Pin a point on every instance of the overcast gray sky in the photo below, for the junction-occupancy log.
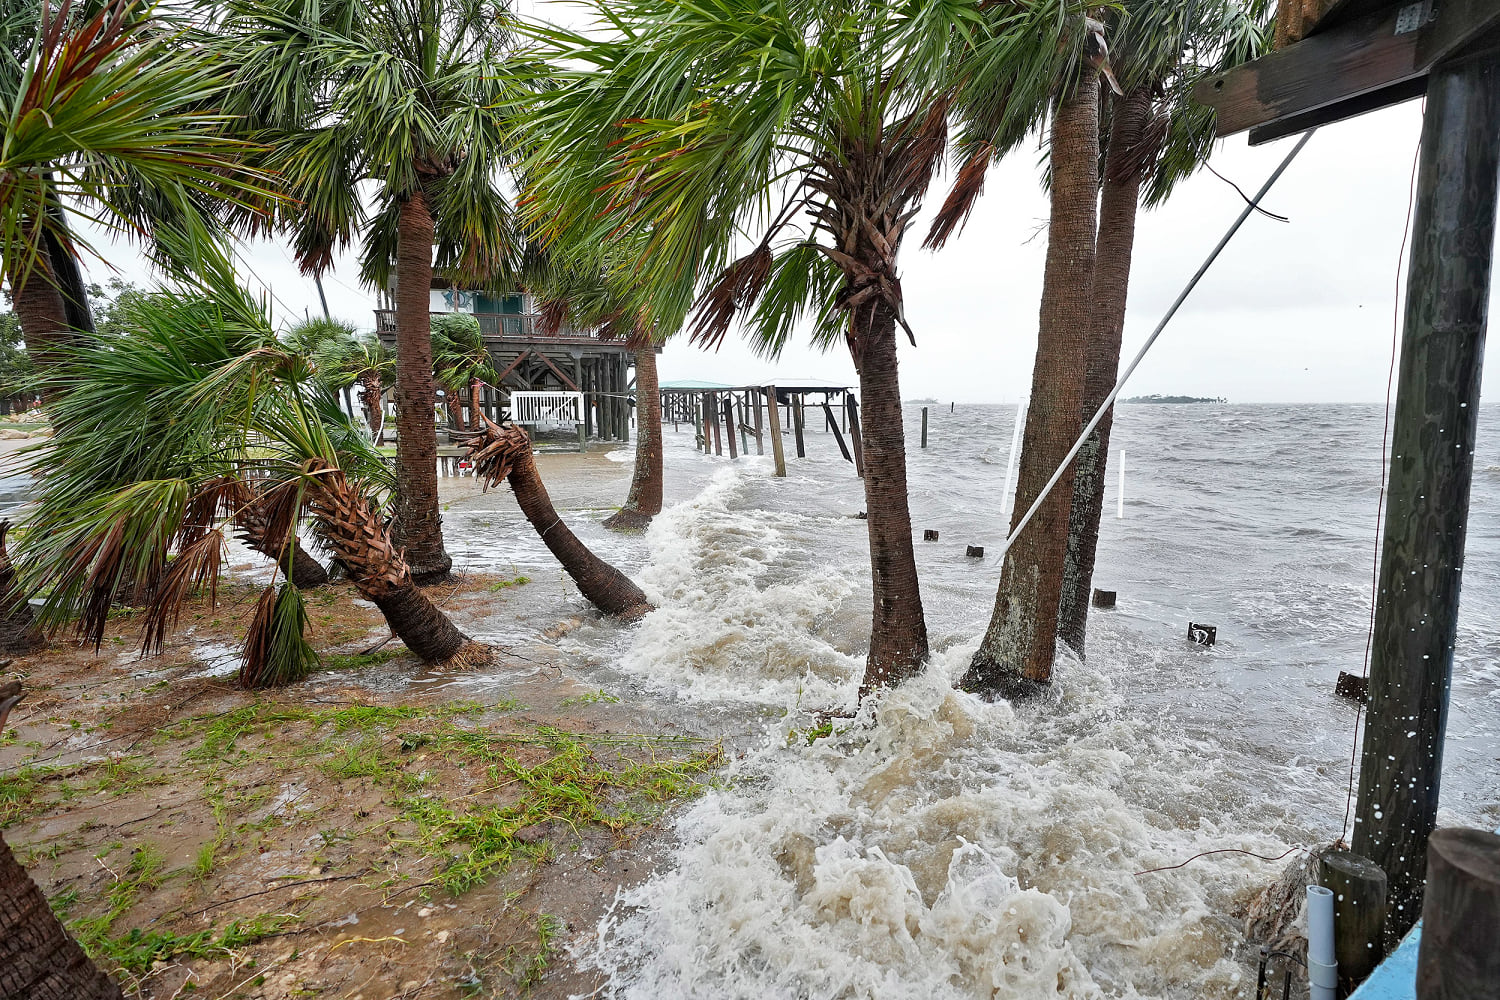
(1292, 312)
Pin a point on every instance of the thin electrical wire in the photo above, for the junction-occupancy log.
(1109, 401)
(1385, 439)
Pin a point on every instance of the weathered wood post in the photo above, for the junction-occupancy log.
(797, 426)
(760, 445)
(855, 437)
(838, 435)
(924, 427)
(1359, 891)
(1432, 464)
(713, 408)
(705, 413)
(729, 425)
(1459, 958)
(777, 455)
(626, 395)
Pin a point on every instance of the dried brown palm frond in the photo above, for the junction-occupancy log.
(737, 288)
(195, 569)
(960, 202)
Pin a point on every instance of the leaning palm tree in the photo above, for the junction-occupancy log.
(170, 436)
(1158, 136)
(578, 289)
(811, 127)
(107, 115)
(414, 97)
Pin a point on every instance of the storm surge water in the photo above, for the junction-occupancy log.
(932, 845)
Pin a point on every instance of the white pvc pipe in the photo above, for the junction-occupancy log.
(1322, 965)
(1120, 500)
(1015, 448)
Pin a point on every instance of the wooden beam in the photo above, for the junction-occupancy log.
(511, 367)
(1388, 51)
(558, 372)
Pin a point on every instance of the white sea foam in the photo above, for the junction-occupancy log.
(724, 630)
(944, 848)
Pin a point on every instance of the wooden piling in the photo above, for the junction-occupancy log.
(706, 410)
(838, 435)
(924, 427)
(855, 438)
(713, 408)
(797, 426)
(1432, 465)
(729, 425)
(760, 445)
(1359, 890)
(1459, 958)
(777, 455)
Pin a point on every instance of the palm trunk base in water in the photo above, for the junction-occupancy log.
(504, 452)
(645, 498)
(420, 624)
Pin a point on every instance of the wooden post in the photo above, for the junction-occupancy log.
(924, 427)
(777, 455)
(729, 425)
(587, 385)
(760, 445)
(1459, 958)
(703, 414)
(626, 410)
(713, 409)
(1432, 464)
(1359, 890)
(837, 434)
(855, 437)
(797, 423)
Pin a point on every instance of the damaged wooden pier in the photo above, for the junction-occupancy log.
(734, 416)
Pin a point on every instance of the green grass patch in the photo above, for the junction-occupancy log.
(600, 696)
(518, 581)
(137, 950)
(358, 661)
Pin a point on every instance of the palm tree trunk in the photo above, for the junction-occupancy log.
(898, 627)
(38, 960)
(419, 522)
(1117, 213)
(360, 538)
(644, 501)
(475, 395)
(42, 313)
(1015, 656)
(371, 391)
(504, 452)
(256, 531)
(17, 626)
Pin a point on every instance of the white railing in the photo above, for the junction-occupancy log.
(547, 410)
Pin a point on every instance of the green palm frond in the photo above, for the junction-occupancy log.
(113, 117)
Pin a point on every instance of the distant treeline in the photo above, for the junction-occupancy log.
(1174, 399)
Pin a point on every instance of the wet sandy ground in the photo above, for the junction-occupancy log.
(381, 830)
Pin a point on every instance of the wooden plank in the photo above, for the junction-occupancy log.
(729, 425)
(1352, 60)
(558, 372)
(511, 367)
(855, 437)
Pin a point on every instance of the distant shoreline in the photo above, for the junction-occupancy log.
(1174, 399)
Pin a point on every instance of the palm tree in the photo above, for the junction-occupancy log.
(809, 128)
(361, 360)
(1158, 136)
(461, 363)
(503, 452)
(1017, 648)
(157, 434)
(414, 97)
(576, 289)
(108, 115)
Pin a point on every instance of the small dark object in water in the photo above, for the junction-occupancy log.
(1104, 598)
(975, 552)
(1203, 635)
(929, 535)
(863, 515)
(1352, 687)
